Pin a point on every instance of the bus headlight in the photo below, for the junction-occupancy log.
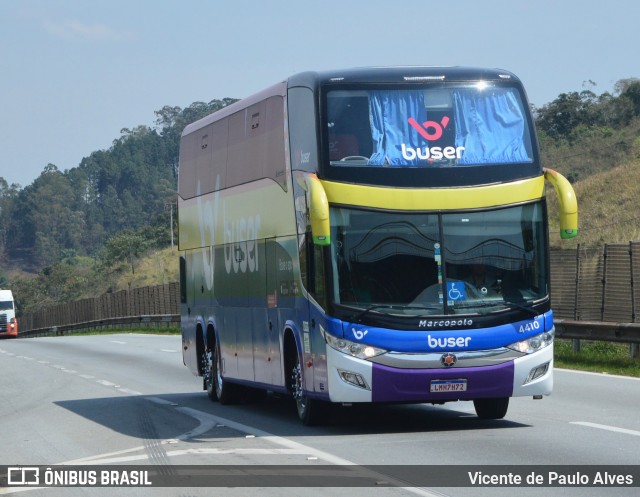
(359, 350)
(534, 343)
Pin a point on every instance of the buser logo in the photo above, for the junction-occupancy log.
(430, 131)
(437, 342)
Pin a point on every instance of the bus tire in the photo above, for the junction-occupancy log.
(208, 374)
(491, 408)
(310, 411)
(224, 392)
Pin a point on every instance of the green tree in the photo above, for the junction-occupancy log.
(8, 195)
(46, 218)
(560, 117)
(125, 246)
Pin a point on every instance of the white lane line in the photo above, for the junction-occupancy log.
(182, 452)
(291, 445)
(207, 422)
(602, 375)
(129, 391)
(99, 459)
(616, 429)
(107, 383)
(281, 441)
(119, 342)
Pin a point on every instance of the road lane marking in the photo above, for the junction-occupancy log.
(607, 427)
(107, 383)
(129, 391)
(207, 422)
(292, 445)
(182, 452)
(601, 375)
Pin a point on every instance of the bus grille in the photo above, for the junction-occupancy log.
(3, 323)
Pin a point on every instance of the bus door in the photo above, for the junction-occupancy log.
(267, 339)
(313, 343)
(191, 269)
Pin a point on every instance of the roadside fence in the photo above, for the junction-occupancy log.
(141, 307)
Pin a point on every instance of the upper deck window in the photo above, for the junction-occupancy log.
(447, 125)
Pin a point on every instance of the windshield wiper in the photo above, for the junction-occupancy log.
(357, 317)
(501, 303)
(515, 305)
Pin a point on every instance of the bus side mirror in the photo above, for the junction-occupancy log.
(318, 210)
(567, 203)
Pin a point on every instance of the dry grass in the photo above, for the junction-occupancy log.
(608, 208)
(156, 268)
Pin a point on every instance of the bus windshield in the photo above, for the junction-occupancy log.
(439, 125)
(437, 264)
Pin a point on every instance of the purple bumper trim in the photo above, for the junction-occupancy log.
(412, 385)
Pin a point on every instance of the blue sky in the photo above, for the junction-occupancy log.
(73, 73)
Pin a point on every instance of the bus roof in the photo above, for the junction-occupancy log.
(277, 89)
(394, 74)
(400, 74)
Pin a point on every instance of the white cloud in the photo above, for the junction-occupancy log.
(78, 31)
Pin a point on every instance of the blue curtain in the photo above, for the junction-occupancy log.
(490, 126)
(388, 112)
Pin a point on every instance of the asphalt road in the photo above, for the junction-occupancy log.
(128, 400)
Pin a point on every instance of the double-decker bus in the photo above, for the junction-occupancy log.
(371, 235)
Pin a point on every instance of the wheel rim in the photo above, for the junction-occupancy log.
(218, 374)
(298, 392)
(208, 375)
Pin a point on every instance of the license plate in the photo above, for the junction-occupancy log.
(449, 385)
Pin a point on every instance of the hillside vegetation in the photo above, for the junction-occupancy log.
(106, 224)
(608, 208)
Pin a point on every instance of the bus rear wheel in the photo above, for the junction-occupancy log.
(207, 360)
(491, 408)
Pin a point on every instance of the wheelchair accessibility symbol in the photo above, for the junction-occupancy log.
(456, 291)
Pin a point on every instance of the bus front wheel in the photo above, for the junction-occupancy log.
(491, 408)
(310, 411)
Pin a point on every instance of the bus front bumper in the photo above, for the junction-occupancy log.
(354, 380)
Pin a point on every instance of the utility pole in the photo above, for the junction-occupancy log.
(170, 204)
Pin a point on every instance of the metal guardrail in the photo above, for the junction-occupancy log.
(105, 324)
(598, 331)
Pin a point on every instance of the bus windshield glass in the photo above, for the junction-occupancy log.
(439, 125)
(437, 264)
